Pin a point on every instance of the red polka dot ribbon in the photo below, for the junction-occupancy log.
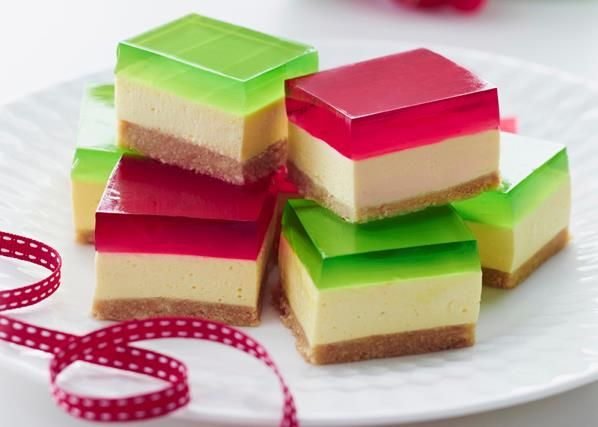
(111, 347)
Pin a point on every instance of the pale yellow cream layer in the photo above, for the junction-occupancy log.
(396, 176)
(506, 249)
(195, 278)
(238, 137)
(86, 197)
(334, 315)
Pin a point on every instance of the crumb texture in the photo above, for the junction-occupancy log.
(179, 152)
(85, 236)
(368, 213)
(141, 308)
(374, 347)
(505, 280)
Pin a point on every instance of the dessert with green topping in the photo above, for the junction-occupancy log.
(404, 285)
(208, 96)
(525, 221)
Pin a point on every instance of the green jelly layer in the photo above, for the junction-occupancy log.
(338, 254)
(96, 153)
(216, 63)
(102, 95)
(97, 119)
(94, 165)
(531, 170)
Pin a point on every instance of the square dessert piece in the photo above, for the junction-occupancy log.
(404, 285)
(208, 96)
(525, 221)
(392, 135)
(173, 242)
(95, 157)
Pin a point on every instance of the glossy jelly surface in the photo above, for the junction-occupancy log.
(150, 207)
(392, 103)
(530, 170)
(337, 253)
(213, 62)
(96, 153)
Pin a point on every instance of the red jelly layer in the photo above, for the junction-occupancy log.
(509, 124)
(149, 207)
(283, 184)
(392, 103)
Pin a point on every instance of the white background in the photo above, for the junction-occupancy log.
(47, 41)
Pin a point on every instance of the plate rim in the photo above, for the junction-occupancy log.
(564, 384)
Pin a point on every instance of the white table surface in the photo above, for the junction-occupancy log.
(43, 42)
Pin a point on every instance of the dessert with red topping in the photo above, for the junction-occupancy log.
(173, 242)
(392, 135)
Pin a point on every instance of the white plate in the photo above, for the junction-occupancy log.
(537, 340)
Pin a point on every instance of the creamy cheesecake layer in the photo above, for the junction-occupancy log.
(508, 280)
(376, 346)
(343, 314)
(506, 249)
(121, 276)
(235, 136)
(383, 179)
(215, 280)
(198, 158)
(86, 196)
